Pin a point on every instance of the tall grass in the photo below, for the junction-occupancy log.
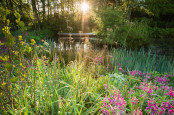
(53, 87)
(141, 60)
(56, 90)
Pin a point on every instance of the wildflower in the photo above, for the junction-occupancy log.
(28, 49)
(166, 105)
(22, 43)
(148, 77)
(6, 29)
(171, 111)
(3, 84)
(161, 110)
(134, 100)
(107, 65)
(114, 103)
(105, 85)
(131, 92)
(149, 74)
(33, 41)
(5, 58)
(20, 38)
(1, 43)
(142, 95)
(138, 112)
(120, 69)
(16, 52)
(171, 93)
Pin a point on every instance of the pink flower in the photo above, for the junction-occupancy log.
(138, 112)
(131, 92)
(107, 65)
(134, 100)
(166, 105)
(105, 85)
(171, 111)
(171, 93)
(161, 110)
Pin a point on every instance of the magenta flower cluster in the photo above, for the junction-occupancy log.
(138, 112)
(134, 100)
(114, 103)
(148, 88)
(153, 108)
(161, 80)
(98, 60)
(159, 84)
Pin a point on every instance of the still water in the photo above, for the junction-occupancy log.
(69, 47)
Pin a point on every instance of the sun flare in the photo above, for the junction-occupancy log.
(84, 7)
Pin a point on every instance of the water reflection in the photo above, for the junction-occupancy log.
(65, 44)
(69, 47)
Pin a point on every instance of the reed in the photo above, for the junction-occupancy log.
(141, 60)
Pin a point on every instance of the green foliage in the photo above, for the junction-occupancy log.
(38, 35)
(161, 33)
(140, 60)
(116, 29)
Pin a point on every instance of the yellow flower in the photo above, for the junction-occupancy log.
(22, 65)
(33, 41)
(16, 52)
(20, 38)
(22, 43)
(1, 43)
(5, 58)
(3, 84)
(6, 29)
(28, 49)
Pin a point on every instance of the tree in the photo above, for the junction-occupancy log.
(35, 12)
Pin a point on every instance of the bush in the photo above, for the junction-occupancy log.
(117, 29)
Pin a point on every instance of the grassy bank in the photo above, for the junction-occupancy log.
(33, 84)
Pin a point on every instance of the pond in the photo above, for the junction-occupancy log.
(69, 47)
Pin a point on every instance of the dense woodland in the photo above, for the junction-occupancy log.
(66, 15)
(38, 76)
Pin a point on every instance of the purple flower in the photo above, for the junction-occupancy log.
(166, 105)
(161, 110)
(134, 100)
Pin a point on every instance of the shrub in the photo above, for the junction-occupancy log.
(116, 29)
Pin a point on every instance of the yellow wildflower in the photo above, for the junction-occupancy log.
(20, 38)
(33, 41)
(3, 84)
(6, 29)
(28, 49)
(1, 43)
(22, 43)
(5, 58)
(22, 65)
(16, 52)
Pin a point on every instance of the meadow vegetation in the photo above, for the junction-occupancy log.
(36, 79)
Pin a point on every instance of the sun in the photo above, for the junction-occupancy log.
(84, 7)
